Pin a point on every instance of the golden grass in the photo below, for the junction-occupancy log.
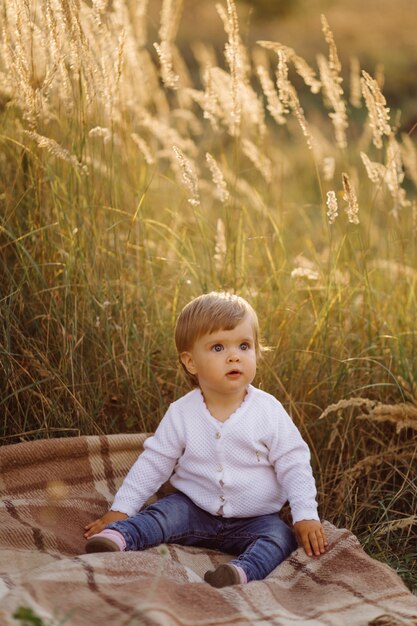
(133, 180)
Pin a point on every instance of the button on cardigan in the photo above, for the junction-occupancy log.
(249, 465)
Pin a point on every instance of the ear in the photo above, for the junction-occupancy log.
(188, 362)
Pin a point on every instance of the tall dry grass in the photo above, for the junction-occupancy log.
(133, 180)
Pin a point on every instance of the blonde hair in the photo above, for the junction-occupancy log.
(217, 310)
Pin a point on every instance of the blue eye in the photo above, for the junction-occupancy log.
(217, 347)
(244, 346)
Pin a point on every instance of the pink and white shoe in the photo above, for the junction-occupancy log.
(107, 540)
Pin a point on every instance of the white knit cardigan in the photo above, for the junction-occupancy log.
(249, 465)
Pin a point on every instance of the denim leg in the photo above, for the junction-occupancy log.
(262, 544)
(173, 519)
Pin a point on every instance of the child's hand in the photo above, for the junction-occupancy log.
(310, 534)
(100, 524)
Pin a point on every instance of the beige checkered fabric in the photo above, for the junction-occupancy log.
(50, 489)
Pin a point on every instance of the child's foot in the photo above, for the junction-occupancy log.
(223, 576)
(106, 541)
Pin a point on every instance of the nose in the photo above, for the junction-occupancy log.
(233, 356)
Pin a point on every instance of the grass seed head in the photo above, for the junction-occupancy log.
(189, 176)
(378, 112)
(221, 191)
(332, 207)
(349, 196)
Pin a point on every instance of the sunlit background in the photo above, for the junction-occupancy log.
(381, 33)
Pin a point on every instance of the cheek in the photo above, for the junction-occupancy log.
(209, 366)
(252, 360)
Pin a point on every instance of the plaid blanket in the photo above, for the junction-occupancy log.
(50, 489)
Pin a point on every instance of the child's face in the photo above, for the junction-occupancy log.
(224, 361)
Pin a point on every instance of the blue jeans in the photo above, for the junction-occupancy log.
(259, 543)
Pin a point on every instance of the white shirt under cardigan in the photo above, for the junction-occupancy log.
(249, 465)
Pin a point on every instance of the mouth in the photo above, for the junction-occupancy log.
(233, 374)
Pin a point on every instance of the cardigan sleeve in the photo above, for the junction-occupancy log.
(290, 456)
(153, 467)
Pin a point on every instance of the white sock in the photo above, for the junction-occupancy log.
(241, 572)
